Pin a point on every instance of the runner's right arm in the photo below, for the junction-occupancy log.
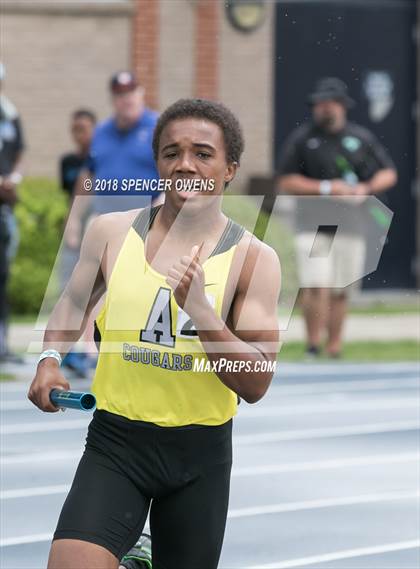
(69, 316)
(79, 207)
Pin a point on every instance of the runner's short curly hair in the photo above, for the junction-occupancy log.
(208, 110)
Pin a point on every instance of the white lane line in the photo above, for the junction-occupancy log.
(263, 410)
(301, 389)
(238, 472)
(388, 383)
(42, 427)
(328, 432)
(260, 510)
(23, 386)
(347, 385)
(17, 405)
(322, 503)
(347, 368)
(23, 539)
(326, 464)
(370, 428)
(311, 409)
(35, 458)
(34, 491)
(336, 555)
(15, 386)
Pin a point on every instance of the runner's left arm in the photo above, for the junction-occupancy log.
(249, 340)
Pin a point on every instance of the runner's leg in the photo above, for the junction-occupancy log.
(188, 525)
(104, 508)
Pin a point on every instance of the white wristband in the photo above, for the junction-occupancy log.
(50, 354)
(325, 187)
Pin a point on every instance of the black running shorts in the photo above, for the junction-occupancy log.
(181, 473)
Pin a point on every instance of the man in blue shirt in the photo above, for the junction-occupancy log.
(121, 153)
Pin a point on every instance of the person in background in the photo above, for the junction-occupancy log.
(330, 156)
(11, 151)
(121, 150)
(82, 126)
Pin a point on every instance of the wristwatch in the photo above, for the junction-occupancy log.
(325, 187)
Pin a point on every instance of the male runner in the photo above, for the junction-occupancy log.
(183, 284)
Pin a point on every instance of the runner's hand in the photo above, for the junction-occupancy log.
(186, 278)
(48, 376)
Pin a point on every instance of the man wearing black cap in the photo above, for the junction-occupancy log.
(330, 157)
(121, 150)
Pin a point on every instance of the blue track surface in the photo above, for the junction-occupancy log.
(326, 471)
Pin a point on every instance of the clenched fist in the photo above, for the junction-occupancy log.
(48, 377)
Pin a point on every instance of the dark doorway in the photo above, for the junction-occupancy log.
(371, 46)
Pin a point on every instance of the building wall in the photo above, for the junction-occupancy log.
(59, 56)
(145, 47)
(246, 86)
(244, 67)
(58, 59)
(417, 36)
(176, 61)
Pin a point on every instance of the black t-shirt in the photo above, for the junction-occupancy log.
(354, 154)
(70, 167)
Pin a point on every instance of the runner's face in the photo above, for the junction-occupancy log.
(193, 148)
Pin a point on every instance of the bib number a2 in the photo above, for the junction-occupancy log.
(158, 328)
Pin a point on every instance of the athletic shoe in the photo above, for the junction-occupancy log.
(312, 352)
(139, 556)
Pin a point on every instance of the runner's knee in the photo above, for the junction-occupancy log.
(78, 554)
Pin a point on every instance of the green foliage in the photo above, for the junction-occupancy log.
(363, 351)
(40, 213)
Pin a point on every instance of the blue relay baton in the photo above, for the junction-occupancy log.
(83, 401)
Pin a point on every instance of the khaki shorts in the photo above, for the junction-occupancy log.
(328, 261)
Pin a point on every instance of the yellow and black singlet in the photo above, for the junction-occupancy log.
(152, 366)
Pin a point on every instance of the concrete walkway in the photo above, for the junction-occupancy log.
(358, 327)
(373, 327)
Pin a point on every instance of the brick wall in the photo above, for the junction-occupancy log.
(176, 53)
(202, 55)
(145, 47)
(206, 48)
(59, 56)
(417, 261)
(58, 59)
